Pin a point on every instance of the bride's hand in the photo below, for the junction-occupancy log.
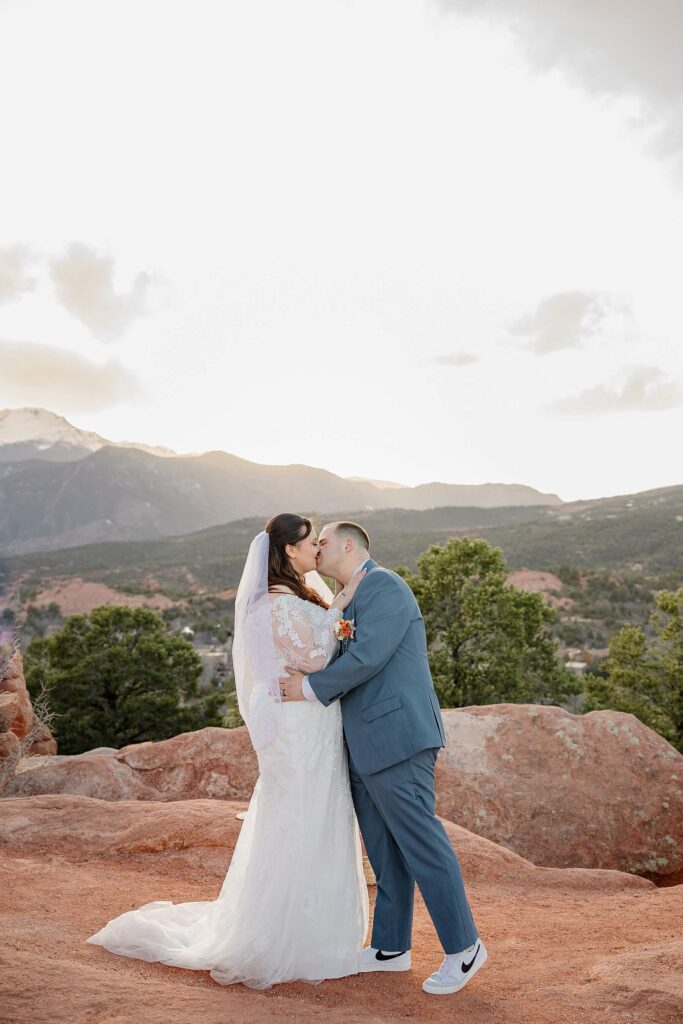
(343, 598)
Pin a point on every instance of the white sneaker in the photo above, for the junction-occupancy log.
(456, 971)
(372, 959)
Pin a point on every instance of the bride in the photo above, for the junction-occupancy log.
(294, 902)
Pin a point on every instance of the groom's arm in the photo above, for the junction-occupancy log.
(383, 617)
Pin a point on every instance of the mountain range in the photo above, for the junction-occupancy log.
(637, 533)
(64, 487)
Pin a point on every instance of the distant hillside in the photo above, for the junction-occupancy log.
(436, 495)
(125, 494)
(63, 487)
(644, 531)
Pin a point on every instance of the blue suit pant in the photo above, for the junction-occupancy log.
(407, 844)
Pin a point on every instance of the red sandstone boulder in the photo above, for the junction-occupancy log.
(211, 762)
(44, 742)
(17, 716)
(595, 790)
(9, 744)
(19, 707)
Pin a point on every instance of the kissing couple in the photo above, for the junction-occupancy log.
(336, 693)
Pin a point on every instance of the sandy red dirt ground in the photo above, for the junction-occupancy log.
(565, 945)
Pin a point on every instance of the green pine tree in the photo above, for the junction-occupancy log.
(116, 677)
(643, 675)
(488, 641)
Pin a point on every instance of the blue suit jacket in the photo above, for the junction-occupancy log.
(389, 707)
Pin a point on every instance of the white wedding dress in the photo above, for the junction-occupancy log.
(294, 902)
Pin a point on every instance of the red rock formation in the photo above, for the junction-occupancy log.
(595, 790)
(211, 762)
(565, 945)
(17, 715)
(9, 742)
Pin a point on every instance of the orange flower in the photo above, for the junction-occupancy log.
(344, 629)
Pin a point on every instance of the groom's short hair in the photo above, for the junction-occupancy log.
(357, 534)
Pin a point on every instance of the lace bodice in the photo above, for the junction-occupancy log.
(304, 633)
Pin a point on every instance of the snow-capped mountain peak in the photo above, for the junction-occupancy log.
(44, 428)
(31, 432)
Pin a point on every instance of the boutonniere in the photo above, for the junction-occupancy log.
(344, 630)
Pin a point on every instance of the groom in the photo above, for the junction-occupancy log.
(393, 731)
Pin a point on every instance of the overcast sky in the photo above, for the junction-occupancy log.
(403, 239)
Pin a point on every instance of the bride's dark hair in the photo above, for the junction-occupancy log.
(288, 528)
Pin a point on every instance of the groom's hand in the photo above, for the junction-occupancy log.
(290, 688)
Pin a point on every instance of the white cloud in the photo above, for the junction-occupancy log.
(456, 359)
(84, 280)
(613, 47)
(645, 389)
(562, 321)
(37, 374)
(14, 279)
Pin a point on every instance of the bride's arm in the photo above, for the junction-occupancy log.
(302, 635)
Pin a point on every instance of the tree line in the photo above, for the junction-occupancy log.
(118, 676)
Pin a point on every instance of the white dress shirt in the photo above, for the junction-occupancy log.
(306, 687)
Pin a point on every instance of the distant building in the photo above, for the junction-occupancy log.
(215, 661)
(578, 667)
(576, 654)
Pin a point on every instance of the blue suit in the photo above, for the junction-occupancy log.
(393, 731)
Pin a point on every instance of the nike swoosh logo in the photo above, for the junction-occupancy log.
(465, 967)
(379, 955)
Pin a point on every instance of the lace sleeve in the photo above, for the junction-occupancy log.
(304, 633)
